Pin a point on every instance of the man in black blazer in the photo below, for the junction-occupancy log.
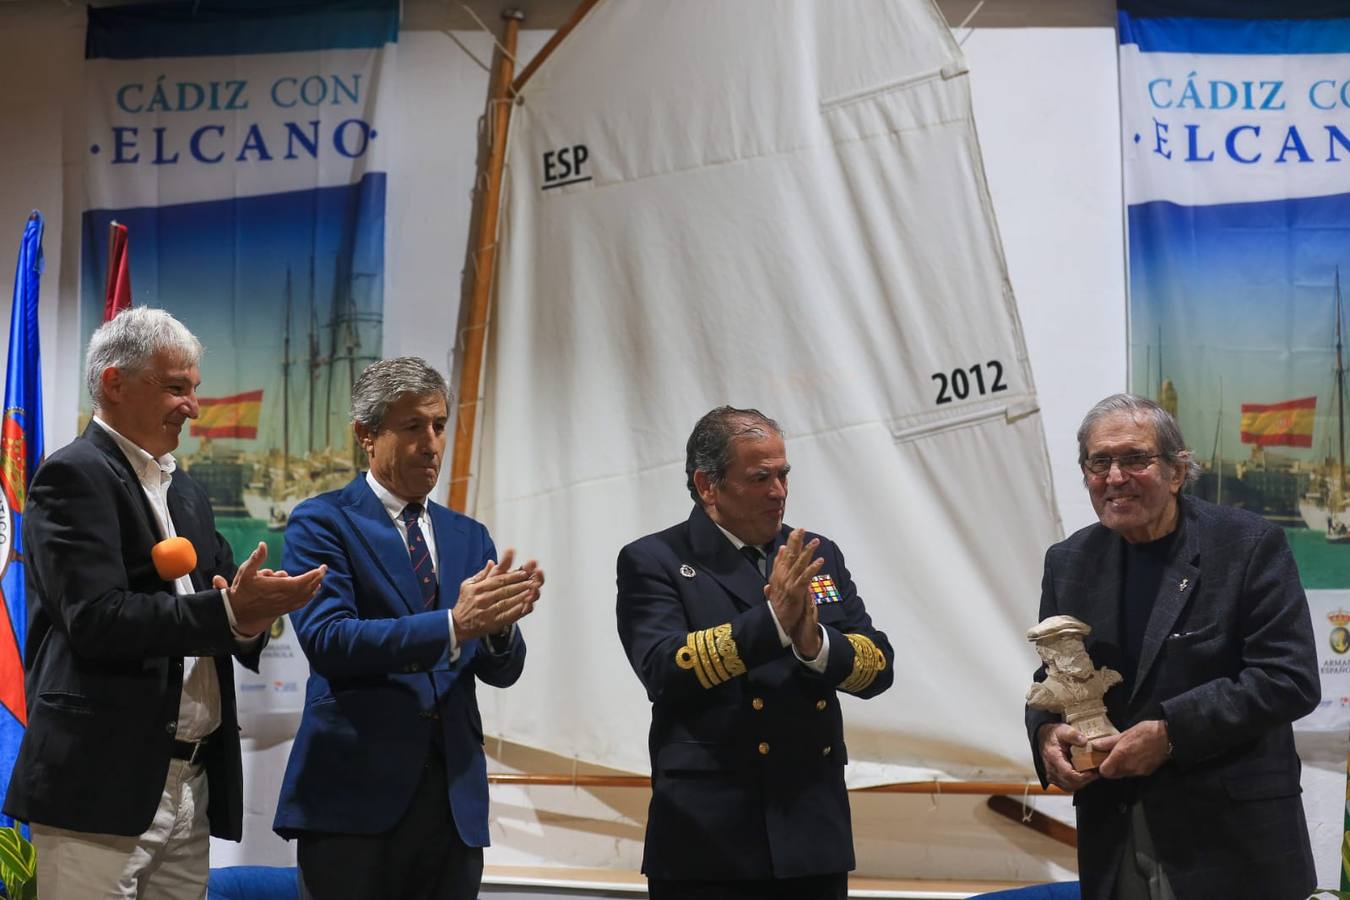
(743, 632)
(1200, 608)
(131, 758)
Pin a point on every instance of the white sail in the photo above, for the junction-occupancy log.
(779, 205)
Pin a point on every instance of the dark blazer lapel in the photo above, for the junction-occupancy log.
(96, 435)
(714, 554)
(451, 555)
(1179, 580)
(1101, 602)
(373, 527)
(189, 523)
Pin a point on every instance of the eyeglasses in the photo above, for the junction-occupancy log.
(1130, 463)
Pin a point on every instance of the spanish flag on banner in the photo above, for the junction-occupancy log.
(1287, 424)
(229, 417)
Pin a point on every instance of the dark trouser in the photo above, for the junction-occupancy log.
(420, 858)
(815, 887)
(1141, 875)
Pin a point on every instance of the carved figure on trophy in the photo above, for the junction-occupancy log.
(1072, 686)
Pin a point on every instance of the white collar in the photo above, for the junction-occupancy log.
(392, 503)
(735, 541)
(141, 461)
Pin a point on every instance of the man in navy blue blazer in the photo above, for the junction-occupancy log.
(386, 788)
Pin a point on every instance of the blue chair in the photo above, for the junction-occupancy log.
(253, 883)
(1059, 890)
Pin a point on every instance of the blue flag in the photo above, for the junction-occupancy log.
(20, 454)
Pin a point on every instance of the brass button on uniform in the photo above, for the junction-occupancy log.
(763, 748)
(821, 704)
(757, 703)
(826, 751)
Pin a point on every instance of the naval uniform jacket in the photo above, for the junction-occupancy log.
(105, 647)
(747, 745)
(1228, 660)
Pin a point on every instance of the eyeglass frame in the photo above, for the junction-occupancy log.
(1119, 462)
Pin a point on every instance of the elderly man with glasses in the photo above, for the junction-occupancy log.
(1200, 608)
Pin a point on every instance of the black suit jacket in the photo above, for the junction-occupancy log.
(105, 647)
(1228, 660)
(747, 743)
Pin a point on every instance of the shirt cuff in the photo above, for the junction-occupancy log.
(245, 641)
(816, 665)
(822, 659)
(454, 644)
(782, 635)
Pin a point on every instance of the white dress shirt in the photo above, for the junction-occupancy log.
(199, 706)
(823, 657)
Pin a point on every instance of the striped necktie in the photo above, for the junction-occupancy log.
(421, 555)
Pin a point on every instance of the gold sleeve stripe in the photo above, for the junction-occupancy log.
(726, 649)
(867, 662)
(709, 649)
(712, 654)
(685, 658)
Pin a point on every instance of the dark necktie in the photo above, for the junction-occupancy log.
(421, 555)
(756, 557)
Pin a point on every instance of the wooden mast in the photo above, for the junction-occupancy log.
(485, 260)
(485, 254)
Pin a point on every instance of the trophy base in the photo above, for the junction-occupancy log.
(1085, 760)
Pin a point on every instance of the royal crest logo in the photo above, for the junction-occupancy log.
(1340, 634)
(13, 458)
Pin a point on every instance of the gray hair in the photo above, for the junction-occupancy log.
(709, 447)
(131, 340)
(1171, 445)
(387, 380)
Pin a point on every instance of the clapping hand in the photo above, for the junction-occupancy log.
(258, 596)
(495, 598)
(788, 591)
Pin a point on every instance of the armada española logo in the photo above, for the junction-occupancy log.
(1340, 634)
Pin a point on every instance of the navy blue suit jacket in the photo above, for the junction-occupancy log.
(105, 648)
(1228, 660)
(747, 743)
(381, 678)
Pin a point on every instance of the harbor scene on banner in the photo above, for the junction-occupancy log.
(1239, 263)
(285, 293)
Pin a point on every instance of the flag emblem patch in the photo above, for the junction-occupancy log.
(823, 590)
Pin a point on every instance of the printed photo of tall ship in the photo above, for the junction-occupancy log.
(260, 452)
(1290, 465)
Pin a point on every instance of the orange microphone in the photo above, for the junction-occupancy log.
(174, 557)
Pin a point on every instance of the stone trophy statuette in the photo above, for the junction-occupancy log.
(1072, 687)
